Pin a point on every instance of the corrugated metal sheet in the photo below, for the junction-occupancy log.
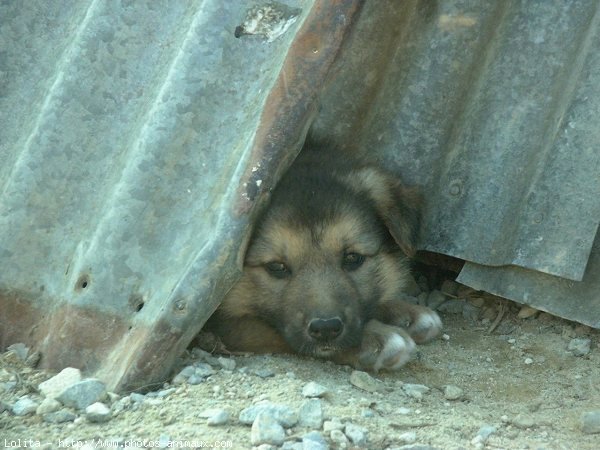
(494, 108)
(136, 139)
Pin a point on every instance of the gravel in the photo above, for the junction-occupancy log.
(364, 381)
(579, 346)
(283, 414)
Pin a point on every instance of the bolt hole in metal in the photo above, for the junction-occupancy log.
(82, 282)
(137, 303)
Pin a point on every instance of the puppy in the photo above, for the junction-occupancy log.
(325, 269)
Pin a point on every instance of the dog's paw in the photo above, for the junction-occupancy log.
(385, 347)
(425, 326)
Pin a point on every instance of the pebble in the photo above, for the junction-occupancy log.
(137, 397)
(356, 434)
(48, 405)
(60, 416)
(310, 414)
(483, 435)
(281, 413)
(364, 381)
(452, 306)
(313, 389)
(203, 370)
(404, 411)
(314, 441)
(333, 424)
(410, 437)
(266, 430)
(528, 361)
(435, 299)
(218, 417)
(97, 413)
(19, 349)
(579, 346)
(194, 379)
(83, 394)
(526, 312)
(339, 438)
(226, 363)
(452, 392)
(164, 440)
(59, 382)
(263, 373)
(415, 391)
(590, 422)
(24, 406)
(523, 421)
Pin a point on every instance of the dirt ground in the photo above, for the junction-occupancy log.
(518, 382)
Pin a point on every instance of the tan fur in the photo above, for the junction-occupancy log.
(325, 269)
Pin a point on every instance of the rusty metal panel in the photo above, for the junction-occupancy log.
(493, 107)
(137, 140)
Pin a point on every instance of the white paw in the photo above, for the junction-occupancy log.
(385, 347)
(427, 326)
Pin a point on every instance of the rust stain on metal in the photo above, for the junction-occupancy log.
(292, 101)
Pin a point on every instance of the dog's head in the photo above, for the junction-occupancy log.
(330, 247)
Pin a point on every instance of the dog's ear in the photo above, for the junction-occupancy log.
(397, 205)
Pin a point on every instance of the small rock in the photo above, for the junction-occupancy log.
(314, 441)
(310, 414)
(415, 391)
(264, 373)
(435, 299)
(226, 363)
(48, 405)
(523, 421)
(313, 389)
(470, 312)
(333, 424)
(339, 438)
(483, 434)
(289, 445)
(163, 393)
(203, 370)
(404, 411)
(452, 306)
(367, 413)
(356, 434)
(579, 346)
(528, 361)
(526, 312)
(195, 379)
(136, 397)
(410, 437)
(452, 392)
(24, 406)
(219, 417)
(590, 422)
(59, 382)
(164, 441)
(60, 416)
(450, 287)
(19, 349)
(81, 395)
(281, 413)
(97, 413)
(266, 430)
(364, 381)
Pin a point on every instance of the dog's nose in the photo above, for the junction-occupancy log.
(325, 329)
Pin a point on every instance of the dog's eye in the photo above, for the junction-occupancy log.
(277, 269)
(352, 261)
